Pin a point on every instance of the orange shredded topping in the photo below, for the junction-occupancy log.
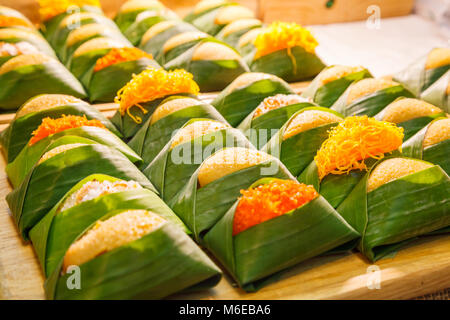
(269, 201)
(354, 140)
(6, 21)
(282, 35)
(50, 8)
(152, 84)
(118, 55)
(51, 126)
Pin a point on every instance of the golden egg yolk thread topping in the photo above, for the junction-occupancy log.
(6, 21)
(51, 126)
(118, 55)
(152, 84)
(49, 9)
(354, 140)
(268, 201)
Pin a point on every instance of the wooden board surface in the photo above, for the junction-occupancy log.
(421, 268)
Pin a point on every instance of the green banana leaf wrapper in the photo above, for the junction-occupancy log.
(436, 154)
(437, 93)
(262, 128)
(175, 52)
(136, 31)
(151, 138)
(326, 95)
(370, 104)
(210, 75)
(398, 211)
(104, 84)
(38, 42)
(16, 136)
(25, 82)
(307, 65)
(192, 16)
(417, 79)
(30, 155)
(297, 152)
(205, 21)
(235, 105)
(125, 19)
(49, 181)
(201, 208)
(172, 168)
(233, 38)
(253, 256)
(54, 234)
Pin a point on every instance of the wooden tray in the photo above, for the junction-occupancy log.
(421, 268)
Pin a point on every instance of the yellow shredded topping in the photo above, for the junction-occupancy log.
(6, 21)
(49, 8)
(152, 84)
(118, 55)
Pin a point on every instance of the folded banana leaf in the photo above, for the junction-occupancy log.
(54, 234)
(235, 103)
(30, 155)
(151, 138)
(232, 38)
(297, 152)
(210, 75)
(261, 129)
(198, 12)
(178, 50)
(15, 35)
(172, 168)
(253, 256)
(48, 181)
(25, 82)
(438, 93)
(397, 211)
(326, 95)
(135, 31)
(436, 153)
(298, 65)
(201, 208)
(125, 18)
(370, 104)
(15, 137)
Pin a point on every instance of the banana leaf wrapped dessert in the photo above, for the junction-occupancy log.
(352, 148)
(332, 82)
(215, 185)
(431, 144)
(48, 135)
(27, 119)
(173, 167)
(232, 32)
(286, 50)
(438, 93)
(11, 50)
(25, 76)
(213, 16)
(421, 74)
(245, 93)
(299, 139)
(139, 98)
(245, 43)
(10, 18)
(180, 43)
(31, 36)
(274, 225)
(168, 117)
(410, 114)
(369, 96)
(397, 200)
(214, 64)
(270, 115)
(58, 170)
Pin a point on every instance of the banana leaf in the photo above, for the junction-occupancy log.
(192, 16)
(15, 137)
(30, 155)
(25, 82)
(205, 21)
(235, 104)
(326, 95)
(437, 93)
(261, 129)
(210, 75)
(370, 104)
(253, 256)
(164, 262)
(49, 181)
(105, 83)
(38, 42)
(297, 152)
(233, 38)
(281, 63)
(172, 168)
(54, 234)
(151, 138)
(436, 154)
(125, 19)
(175, 52)
(137, 30)
(397, 211)
(201, 208)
